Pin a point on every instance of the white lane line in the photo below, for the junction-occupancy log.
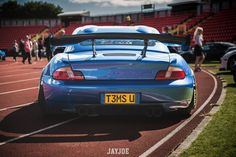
(38, 131)
(17, 106)
(20, 90)
(181, 126)
(20, 74)
(16, 70)
(10, 82)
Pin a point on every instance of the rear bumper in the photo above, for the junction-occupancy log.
(67, 96)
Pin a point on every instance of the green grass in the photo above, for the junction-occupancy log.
(218, 139)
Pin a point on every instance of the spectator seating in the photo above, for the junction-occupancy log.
(160, 22)
(196, 19)
(220, 27)
(9, 34)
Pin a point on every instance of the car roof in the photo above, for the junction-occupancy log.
(223, 43)
(90, 29)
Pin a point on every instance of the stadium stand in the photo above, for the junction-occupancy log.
(9, 34)
(218, 25)
(160, 22)
(55, 29)
(196, 19)
(209, 21)
(72, 27)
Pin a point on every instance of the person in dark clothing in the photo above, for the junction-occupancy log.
(21, 48)
(48, 47)
(40, 47)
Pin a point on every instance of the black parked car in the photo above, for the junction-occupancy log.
(187, 55)
(215, 50)
(230, 49)
(234, 71)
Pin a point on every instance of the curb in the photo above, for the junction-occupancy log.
(195, 133)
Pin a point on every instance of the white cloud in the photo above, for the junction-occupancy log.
(124, 3)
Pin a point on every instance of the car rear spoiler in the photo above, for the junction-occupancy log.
(75, 39)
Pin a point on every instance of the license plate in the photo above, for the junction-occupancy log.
(120, 98)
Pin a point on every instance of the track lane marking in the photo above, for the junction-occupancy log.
(19, 63)
(181, 126)
(10, 82)
(17, 70)
(38, 131)
(17, 106)
(20, 74)
(20, 90)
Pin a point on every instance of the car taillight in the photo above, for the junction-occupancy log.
(66, 73)
(173, 73)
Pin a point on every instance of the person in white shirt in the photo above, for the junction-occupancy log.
(198, 41)
(35, 50)
(15, 50)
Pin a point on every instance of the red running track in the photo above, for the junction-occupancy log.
(86, 136)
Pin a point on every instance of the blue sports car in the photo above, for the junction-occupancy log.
(117, 70)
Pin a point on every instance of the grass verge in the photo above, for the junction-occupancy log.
(218, 139)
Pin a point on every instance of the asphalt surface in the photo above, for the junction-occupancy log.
(20, 126)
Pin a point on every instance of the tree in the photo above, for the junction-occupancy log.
(34, 9)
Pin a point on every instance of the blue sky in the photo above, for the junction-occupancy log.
(103, 7)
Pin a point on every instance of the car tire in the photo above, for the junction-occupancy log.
(187, 112)
(231, 63)
(42, 103)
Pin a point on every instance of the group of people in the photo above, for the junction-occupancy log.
(29, 47)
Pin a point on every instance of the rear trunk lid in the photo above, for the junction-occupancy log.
(119, 65)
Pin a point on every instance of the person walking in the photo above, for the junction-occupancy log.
(15, 50)
(198, 41)
(21, 48)
(40, 48)
(27, 48)
(48, 47)
(35, 50)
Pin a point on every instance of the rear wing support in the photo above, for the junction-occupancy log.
(143, 54)
(93, 47)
